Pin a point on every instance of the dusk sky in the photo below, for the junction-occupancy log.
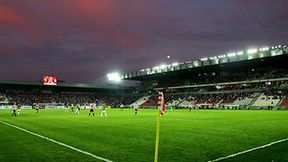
(83, 40)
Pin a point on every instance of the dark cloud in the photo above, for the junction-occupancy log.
(80, 41)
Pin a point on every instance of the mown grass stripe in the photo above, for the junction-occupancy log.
(246, 151)
(57, 142)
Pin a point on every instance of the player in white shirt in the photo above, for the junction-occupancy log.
(77, 109)
(18, 110)
(14, 109)
(104, 111)
(136, 109)
(37, 107)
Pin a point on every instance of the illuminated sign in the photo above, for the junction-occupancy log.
(50, 80)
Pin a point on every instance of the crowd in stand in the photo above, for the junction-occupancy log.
(68, 98)
(220, 93)
(254, 74)
(218, 100)
(211, 98)
(124, 100)
(276, 94)
(2, 98)
(208, 78)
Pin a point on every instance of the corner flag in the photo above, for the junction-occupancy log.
(161, 103)
(161, 111)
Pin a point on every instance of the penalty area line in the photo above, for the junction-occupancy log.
(249, 150)
(57, 142)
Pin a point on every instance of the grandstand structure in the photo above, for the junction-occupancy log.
(27, 94)
(253, 79)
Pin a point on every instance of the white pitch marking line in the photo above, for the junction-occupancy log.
(253, 149)
(57, 142)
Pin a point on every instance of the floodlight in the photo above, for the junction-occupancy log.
(252, 51)
(163, 66)
(175, 64)
(204, 59)
(264, 49)
(240, 53)
(231, 54)
(222, 56)
(156, 67)
(114, 77)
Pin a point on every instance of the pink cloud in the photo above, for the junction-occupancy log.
(11, 18)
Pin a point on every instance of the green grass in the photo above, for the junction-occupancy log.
(200, 135)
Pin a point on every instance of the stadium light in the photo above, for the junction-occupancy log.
(252, 51)
(114, 77)
(231, 54)
(175, 64)
(240, 53)
(156, 68)
(222, 56)
(163, 66)
(264, 49)
(204, 59)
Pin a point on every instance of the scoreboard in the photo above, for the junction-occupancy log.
(50, 80)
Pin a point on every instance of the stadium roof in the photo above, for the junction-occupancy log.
(239, 56)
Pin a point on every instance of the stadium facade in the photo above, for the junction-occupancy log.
(252, 79)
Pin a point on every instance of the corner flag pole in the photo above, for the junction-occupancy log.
(157, 136)
(160, 112)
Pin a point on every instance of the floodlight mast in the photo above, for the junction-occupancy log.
(114, 77)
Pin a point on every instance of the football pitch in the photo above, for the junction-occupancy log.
(199, 135)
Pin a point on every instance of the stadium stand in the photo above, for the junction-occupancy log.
(140, 101)
(66, 96)
(266, 101)
(245, 99)
(3, 99)
(150, 102)
(284, 102)
(239, 80)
